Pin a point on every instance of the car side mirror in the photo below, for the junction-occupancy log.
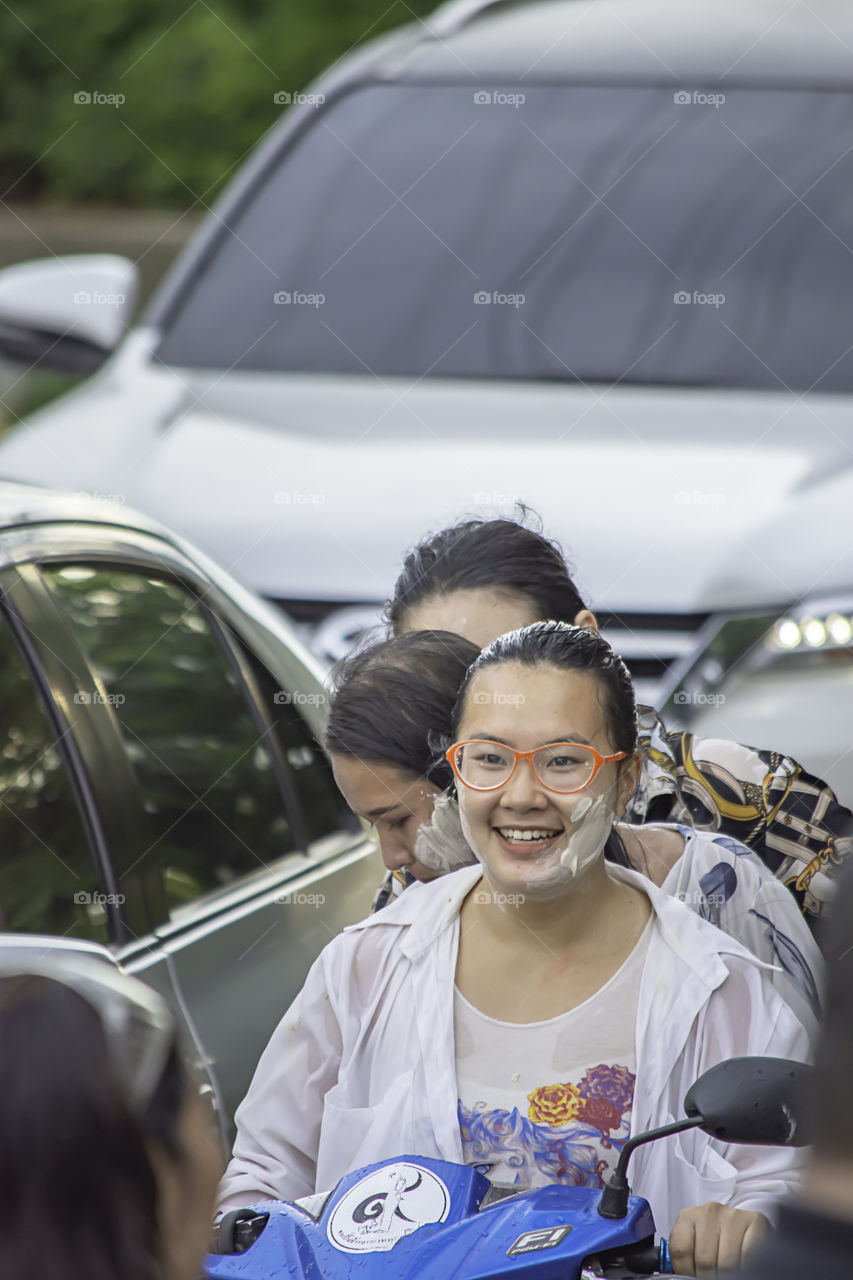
(66, 313)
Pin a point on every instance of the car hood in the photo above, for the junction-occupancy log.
(311, 488)
(804, 550)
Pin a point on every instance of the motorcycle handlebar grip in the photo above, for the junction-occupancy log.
(238, 1230)
(651, 1258)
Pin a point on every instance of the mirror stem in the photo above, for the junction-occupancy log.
(614, 1197)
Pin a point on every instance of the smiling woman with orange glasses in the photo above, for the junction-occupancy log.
(528, 1013)
(392, 709)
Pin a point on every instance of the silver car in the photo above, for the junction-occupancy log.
(163, 799)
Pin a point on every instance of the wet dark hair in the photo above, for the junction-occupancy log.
(392, 702)
(502, 554)
(568, 648)
(78, 1194)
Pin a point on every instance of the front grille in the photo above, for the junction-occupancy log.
(651, 644)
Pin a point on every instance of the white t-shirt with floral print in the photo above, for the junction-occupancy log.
(546, 1102)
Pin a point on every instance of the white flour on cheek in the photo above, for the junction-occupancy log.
(596, 821)
(466, 831)
(440, 843)
(551, 873)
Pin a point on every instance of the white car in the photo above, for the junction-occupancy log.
(597, 257)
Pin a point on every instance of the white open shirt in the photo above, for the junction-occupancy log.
(361, 1067)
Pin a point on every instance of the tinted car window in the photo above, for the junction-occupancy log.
(583, 232)
(323, 809)
(47, 873)
(211, 795)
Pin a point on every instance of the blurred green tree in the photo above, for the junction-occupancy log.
(198, 81)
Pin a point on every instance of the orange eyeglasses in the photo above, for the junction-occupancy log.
(564, 767)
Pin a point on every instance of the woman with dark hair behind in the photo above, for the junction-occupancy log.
(108, 1163)
(484, 577)
(476, 575)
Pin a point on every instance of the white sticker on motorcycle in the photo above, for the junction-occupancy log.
(385, 1206)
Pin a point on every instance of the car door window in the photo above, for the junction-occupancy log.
(323, 810)
(48, 881)
(211, 789)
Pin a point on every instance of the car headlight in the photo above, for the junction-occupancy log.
(813, 630)
(814, 634)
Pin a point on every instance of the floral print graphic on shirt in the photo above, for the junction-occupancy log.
(606, 1093)
(572, 1133)
(553, 1103)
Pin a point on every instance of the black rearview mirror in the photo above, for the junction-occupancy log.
(758, 1101)
(761, 1102)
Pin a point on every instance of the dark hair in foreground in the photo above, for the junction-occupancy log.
(830, 1101)
(393, 701)
(78, 1195)
(501, 554)
(568, 648)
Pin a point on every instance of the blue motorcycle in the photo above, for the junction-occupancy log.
(413, 1217)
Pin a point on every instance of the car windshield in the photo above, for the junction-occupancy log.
(528, 231)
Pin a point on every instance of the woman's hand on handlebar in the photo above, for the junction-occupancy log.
(713, 1237)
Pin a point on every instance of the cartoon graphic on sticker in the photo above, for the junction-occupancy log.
(385, 1206)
